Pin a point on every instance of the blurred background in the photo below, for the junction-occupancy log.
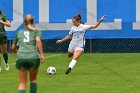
(119, 32)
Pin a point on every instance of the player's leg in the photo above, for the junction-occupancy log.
(70, 50)
(5, 55)
(34, 66)
(33, 82)
(0, 59)
(22, 80)
(0, 65)
(78, 52)
(70, 54)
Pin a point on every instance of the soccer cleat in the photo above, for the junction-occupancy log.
(0, 69)
(6, 66)
(68, 71)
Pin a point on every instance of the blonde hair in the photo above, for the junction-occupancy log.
(29, 19)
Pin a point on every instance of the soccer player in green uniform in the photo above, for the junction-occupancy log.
(4, 21)
(28, 58)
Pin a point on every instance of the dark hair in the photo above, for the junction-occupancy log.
(0, 12)
(30, 21)
(78, 18)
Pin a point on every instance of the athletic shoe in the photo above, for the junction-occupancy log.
(68, 71)
(6, 66)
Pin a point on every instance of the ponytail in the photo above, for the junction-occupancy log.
(29, 21)
(78, 18)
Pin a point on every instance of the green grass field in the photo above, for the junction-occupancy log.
(94, 73)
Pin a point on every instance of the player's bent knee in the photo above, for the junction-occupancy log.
(70, 55)
(79, 49)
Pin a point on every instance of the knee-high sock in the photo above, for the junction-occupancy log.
(33, 88)
(72, 63)
(21, 91)
(5, 56)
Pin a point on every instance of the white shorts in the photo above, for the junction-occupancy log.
(72, 48)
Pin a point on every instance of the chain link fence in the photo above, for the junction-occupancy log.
(93, 46)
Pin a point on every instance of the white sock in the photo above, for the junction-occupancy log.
(72, 63)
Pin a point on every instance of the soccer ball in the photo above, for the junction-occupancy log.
(51, 70)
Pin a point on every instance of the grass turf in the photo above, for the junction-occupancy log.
(94, 73)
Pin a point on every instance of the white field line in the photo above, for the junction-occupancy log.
(46, 58)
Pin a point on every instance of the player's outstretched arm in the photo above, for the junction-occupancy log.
(64, 39)
(7, 23)
(98, 23)
(40, 48)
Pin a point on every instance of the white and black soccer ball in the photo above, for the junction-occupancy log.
(51, 70)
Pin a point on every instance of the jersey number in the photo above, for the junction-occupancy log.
(26, 37)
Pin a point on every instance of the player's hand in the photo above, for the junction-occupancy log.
(59, 41)
(103, 17)
(42, 57)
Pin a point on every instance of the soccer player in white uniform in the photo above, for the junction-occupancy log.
(76, 46)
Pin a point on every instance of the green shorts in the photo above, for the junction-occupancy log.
(27, 64)
(3, 40)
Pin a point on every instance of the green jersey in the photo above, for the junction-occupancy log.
(2, 29)
(26, 39)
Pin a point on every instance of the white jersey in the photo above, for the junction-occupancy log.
(78, 38)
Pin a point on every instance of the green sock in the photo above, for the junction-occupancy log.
(5, 56)
(21, 91)
(33, 88)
